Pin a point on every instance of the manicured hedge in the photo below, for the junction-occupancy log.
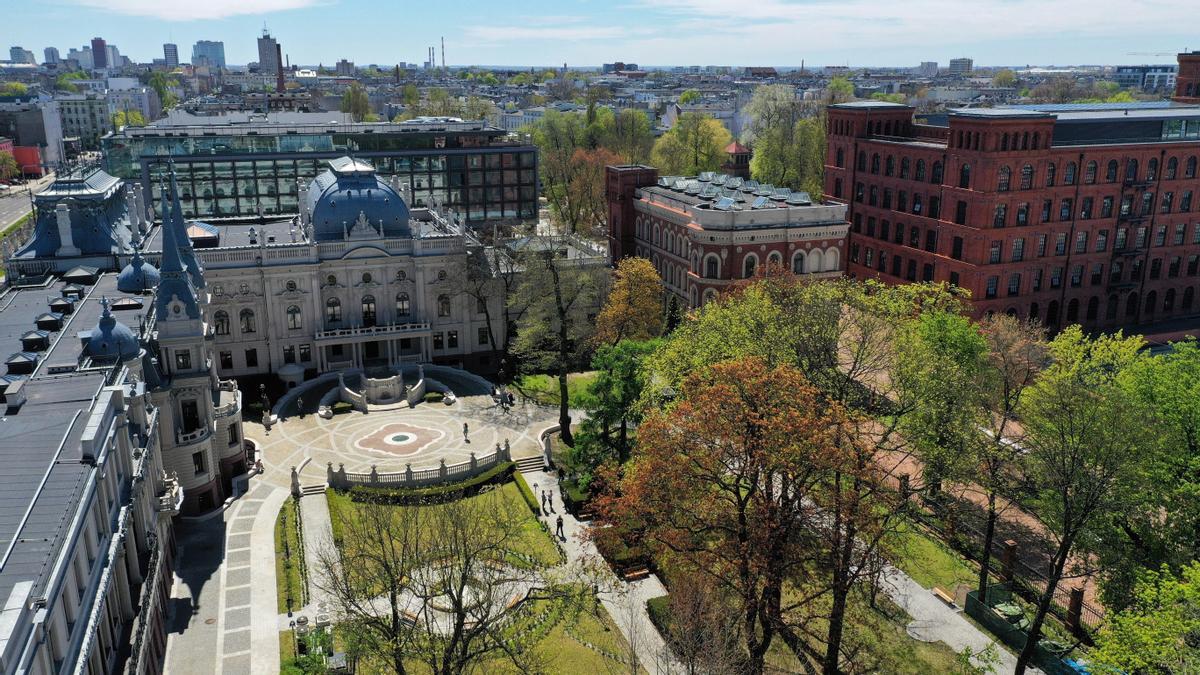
(342, 407)
(527, 494)
(434, 396)
(659, 610)
(434, 494)
(574, 497)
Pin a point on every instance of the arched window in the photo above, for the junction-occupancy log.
(1131, 173)
(875, 163)
(1131, 304)
(920, 173)
(1089, 174)
(749, 265)
(1027, 177)
(1093, 309)
(1189, 169)
(403, 307)
(1152, 170)
(1172, 168)
(1051, 174)
(774, 260)
(889, 167)
(293, 318)
(368, 310)
(816, 262)
(333, 309)
(1110, 174)
(861, 165)
(221, 322)
(1005, 179)
(443, 303)
(712, 267)
(798, 263)
(246, 320)
(936, 173)
(831, 260)
(1110, 308)
(1169, 300)
(1189, 294)
(1069, 174)
(905, 165)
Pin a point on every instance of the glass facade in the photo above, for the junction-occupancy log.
(480, 176)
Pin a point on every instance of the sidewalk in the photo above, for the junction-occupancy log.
(627, 603)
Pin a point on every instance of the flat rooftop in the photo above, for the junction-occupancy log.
(245, 124)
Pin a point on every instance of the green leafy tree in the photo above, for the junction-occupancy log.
(556, 297)
(356, 102)
(13, 89)
(696, 143)
(66, 81)
(613, 409)
(1004, 78)
(789, 144)
(1082, 465)
(8, 165)
(128, 118)
(839, 90)
(1160, 631)
(162, 84)
(410, 95)
(689, 96)
(890, 98)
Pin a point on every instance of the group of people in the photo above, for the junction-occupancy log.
(548, 507)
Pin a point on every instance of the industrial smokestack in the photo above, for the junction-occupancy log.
(443, 53)
(279, 69)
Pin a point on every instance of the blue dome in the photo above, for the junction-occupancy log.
(351, 200)
(138, 276)
(111, 338)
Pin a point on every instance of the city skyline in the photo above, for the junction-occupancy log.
(648, 32)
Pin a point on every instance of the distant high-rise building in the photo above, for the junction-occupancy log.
(344, 68)
(20, 55)
(52, 57)
(962, 66)
(171, 54)
(268, 61)
(928, 69)
(99, 53)
(209, 53)
(83, 57)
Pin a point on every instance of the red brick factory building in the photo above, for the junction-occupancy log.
(704, 233)
(1065, 213)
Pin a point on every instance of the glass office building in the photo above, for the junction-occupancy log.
(241, 165)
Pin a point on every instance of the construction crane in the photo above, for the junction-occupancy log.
(1150, 53)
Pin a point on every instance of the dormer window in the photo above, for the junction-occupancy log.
(183, 360)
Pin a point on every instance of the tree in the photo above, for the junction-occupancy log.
(8, 165)
(689, 96)
(1084, 446)
(410, 95)
(721, 485)
(614, 397)
(674, 315)
(356, 102)
(432, 585)
(128, 118)
(1162, 528)
(163, 85)
(633, 310)
(13, 89)
(626, 132)
(789, 146)
(66, 81)
(839, 90)
(584, 195)
(558, 136)
(696, 143)
(558, 297)
(479, 280)
(1004, 78)
(1160, 631)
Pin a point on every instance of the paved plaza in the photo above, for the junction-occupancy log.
(224, 615)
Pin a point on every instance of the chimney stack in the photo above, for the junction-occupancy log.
(279, 69)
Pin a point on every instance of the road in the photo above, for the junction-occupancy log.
(14, 202)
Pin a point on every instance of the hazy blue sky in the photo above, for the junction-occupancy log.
(648, 32)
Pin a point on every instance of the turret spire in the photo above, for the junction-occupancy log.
(175, 285)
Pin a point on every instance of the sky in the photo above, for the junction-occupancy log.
(646, 32)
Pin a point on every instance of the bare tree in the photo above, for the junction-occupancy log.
(438, 585)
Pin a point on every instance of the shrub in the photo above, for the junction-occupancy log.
(434, 396)
(434, 494)
(342, 407)
(659, 610)
(574, 497)
(527, 494)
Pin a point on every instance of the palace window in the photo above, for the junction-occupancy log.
(246, 320)
(293, 318)
(333, 309)
(221, 322)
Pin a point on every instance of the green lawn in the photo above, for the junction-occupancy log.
(535, 542)
(287, 572)
(544, 388)
(930, 562)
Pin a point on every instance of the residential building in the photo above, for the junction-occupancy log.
(142, 99)
(85, 116)
(20, 55)
(961, 67)
(241, 164)
(51, 56)
(706, 233)
(927, 69)
(1158, 78)
(83, 57)
(35, 125)
(209, 53)
(171, 55)
(1078, 215)
(99, 53)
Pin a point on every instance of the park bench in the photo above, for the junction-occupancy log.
(942, 595)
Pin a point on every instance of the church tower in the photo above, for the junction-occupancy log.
(200, 418)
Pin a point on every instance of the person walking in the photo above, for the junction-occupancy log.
(544, 501)
(559, 531)
(465, 433)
